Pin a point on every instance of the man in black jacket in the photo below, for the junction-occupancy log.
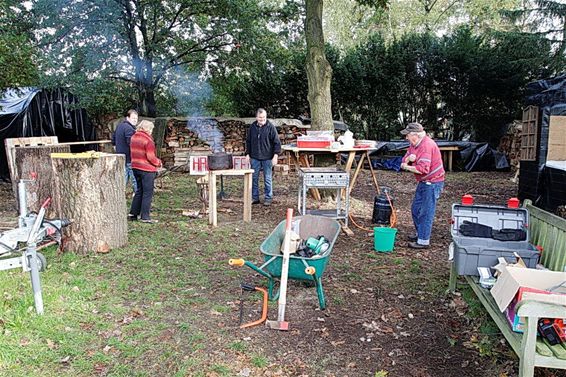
(262, 148)
(121, 139)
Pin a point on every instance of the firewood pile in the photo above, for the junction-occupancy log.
(510, 144)
(202, 136)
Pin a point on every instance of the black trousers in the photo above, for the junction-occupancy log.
(141, 204)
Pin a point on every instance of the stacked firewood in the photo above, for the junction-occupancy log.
(510, 144)
(201, 136)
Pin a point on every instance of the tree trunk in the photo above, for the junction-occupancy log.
(91, 189)
(37, 160)
(319, 72)
(147, 100)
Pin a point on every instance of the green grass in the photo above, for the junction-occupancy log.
(137, 311)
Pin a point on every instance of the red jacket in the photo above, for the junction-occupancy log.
(142, 149)
(428, 162)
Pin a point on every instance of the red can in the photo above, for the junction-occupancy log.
(467, 200)
(513, 203)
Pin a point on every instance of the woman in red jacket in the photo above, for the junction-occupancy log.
(144, 165)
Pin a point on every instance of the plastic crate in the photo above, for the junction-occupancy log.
(473, 252)
(313, 143)
(324, 177)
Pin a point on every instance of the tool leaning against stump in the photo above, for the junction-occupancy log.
(36, 232)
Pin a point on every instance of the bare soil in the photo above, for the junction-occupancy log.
(388, 314)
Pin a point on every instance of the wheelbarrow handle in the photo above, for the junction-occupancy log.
(236, 262)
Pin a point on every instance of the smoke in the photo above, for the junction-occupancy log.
(191, 94)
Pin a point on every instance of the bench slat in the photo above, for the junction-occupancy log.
(542, 348)
(558, 350)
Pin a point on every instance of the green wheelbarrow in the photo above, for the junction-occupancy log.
(300, 268)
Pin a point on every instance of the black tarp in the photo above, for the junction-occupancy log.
(29, 112)
(544, 185)
(473, 156)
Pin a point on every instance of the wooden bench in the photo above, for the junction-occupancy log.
(548, 231)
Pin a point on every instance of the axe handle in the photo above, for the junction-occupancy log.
(285, 267)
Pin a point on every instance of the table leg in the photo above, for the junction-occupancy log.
(357, 171)
(449, 160)
(373, 174)
(212, 215)
(248, 197)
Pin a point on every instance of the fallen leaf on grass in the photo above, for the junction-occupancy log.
(51, 344)
(65, 360)
(106, 349)
(24, 342)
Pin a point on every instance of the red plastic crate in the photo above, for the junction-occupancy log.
(313, 143)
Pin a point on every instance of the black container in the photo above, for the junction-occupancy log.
(220, 161)
(381, 210)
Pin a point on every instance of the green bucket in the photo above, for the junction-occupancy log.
(384, 239)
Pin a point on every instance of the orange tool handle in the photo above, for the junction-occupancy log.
(263, 310)
(236, 262)
(289, 219)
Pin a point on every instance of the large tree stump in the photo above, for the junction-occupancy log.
(91, 188)
(36, 159)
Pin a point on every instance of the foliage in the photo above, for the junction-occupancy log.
(16, 51)
(140, 42)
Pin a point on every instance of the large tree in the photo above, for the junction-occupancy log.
(140, 42)
(17, 67)
(319, 71)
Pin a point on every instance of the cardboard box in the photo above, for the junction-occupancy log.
(517, 283)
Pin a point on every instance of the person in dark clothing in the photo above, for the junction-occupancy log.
(262, 148)
(121, 139)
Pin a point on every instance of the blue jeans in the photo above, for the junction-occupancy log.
(423, 209)
(266, 165)
(130, 176)
(141, 204)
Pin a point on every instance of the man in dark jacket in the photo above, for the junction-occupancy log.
(262, 148)
(121, 139)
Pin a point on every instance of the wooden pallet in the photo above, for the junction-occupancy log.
(13, 143)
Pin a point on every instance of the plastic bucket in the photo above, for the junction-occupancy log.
(384, 239)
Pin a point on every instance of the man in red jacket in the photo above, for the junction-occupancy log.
(423, 158)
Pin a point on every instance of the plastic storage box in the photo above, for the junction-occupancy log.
(473, 252)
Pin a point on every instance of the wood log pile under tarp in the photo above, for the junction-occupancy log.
(510, 144)
(201, 136)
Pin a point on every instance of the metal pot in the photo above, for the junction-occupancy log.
(220, 161)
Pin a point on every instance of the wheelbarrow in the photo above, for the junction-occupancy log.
(300, 268)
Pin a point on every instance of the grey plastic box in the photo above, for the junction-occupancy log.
(473, 252)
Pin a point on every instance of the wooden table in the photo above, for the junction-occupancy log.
(447, 153)
(212, 203)
(299, 158)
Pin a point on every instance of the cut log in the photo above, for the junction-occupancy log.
(37, 160)
(91, 192)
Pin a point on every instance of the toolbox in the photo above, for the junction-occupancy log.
(472, 252)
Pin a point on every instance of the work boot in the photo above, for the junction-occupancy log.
(256, 201)
(267, 202)
(132, 217)
(412, 238)
(416, 245)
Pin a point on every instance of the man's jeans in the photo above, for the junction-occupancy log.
(423, 209)
(130, 176)
(266, 165)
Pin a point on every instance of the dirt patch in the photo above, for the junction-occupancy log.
(387, 314)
